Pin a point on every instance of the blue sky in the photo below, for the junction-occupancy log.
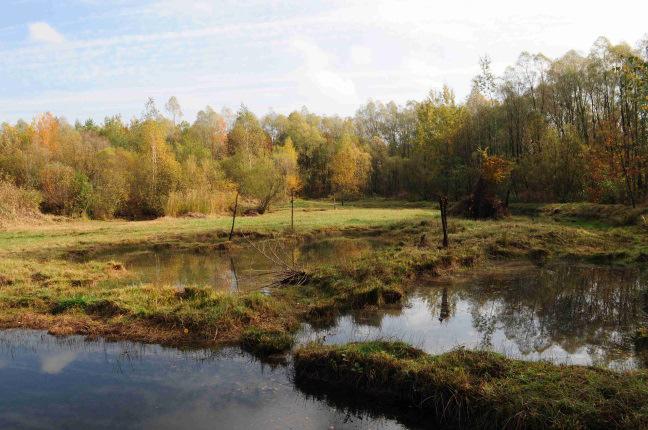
(92, 58)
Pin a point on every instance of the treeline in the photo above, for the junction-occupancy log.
(571, 129)
(565, 130)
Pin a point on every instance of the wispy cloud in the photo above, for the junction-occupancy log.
(92, 57)
(42, 32)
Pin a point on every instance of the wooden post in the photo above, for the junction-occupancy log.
(234, 216)
(292, 210)
(443, 206)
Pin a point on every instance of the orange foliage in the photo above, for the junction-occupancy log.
(46, 128)
(494, 169)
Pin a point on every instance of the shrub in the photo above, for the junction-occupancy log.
(18, 202)
(198, 201)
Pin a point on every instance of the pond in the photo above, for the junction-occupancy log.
(239, 269)
(573, 314)
(566, 313)
(72, 383)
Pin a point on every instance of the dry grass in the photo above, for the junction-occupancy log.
(18, 203)
(87, 235)
(38, 277)
(592, 213)
(198, 202)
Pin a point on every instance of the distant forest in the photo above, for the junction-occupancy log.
(570, 129)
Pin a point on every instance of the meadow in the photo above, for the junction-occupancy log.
(54, 278)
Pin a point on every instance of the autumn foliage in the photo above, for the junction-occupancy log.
(573, 128)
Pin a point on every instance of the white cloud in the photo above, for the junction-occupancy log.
(361, 55)
(182, 8)
(319, 80)
(44, 33)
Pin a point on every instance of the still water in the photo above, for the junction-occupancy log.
(566, 313)
(71, 383)
(243, 268)
(574, 314)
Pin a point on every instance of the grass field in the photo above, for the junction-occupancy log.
(44, 285)
(310, 217)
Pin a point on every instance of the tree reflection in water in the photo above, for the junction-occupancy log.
(576, 314)
(569, 305)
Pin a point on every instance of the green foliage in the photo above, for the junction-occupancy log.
(436, 161)
(558, 170)
(82, 194)
(247, 136)
(111, 182)
(157, 172)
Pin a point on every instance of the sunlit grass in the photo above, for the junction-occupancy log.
(309, 217)
(51, 275)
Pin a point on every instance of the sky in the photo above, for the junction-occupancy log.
(93, 58)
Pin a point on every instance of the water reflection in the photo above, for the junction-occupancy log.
(238, 269)
(574, 314)
(55, 363)
(72, 383)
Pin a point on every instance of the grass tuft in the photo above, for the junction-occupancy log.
(263, 342)
(74, 302)
(478, 389)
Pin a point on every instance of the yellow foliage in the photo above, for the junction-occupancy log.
(349, 168)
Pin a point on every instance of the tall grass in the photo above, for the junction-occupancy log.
(16, 202)
(198, 201)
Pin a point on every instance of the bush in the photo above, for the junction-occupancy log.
(198, 201)
(56, 186)
(111, 183)
(18, 202)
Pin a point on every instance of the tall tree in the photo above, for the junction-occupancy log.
(173, 108)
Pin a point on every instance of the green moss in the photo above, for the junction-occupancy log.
(478, 389)
(78, 301)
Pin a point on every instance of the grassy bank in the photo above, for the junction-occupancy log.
(591, 214)
(44, 285)
(471, 389)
